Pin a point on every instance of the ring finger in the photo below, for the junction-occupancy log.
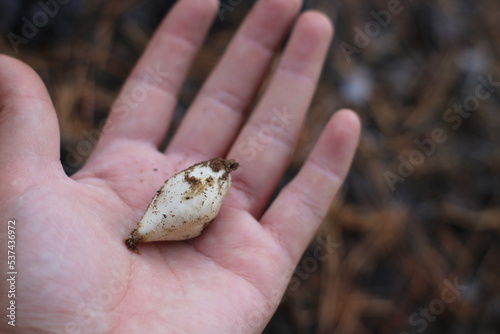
(265, 144)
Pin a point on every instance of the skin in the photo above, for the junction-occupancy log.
(75, 275)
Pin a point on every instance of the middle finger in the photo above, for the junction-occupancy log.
(218, 111)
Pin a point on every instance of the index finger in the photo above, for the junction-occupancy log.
(145, 105)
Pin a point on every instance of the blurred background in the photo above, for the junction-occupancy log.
(411, 245)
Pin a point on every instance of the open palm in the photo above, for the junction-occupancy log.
(75, 274)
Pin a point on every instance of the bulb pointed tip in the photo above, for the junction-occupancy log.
(133, 239)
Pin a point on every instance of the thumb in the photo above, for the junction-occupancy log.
(29, 131)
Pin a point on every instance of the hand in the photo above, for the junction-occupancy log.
(75, 274)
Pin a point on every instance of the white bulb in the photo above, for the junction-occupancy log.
(185, 204)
